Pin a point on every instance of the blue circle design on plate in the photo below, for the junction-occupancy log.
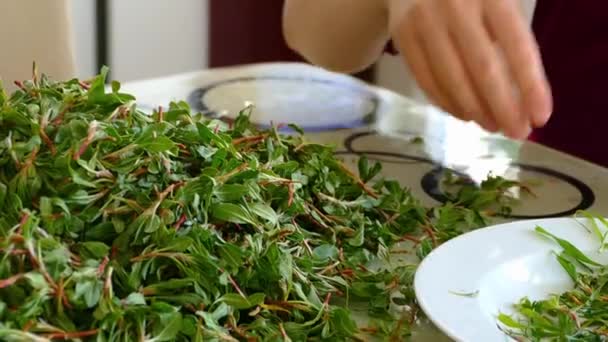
(431, 181)
(197, 102)
(431, 184)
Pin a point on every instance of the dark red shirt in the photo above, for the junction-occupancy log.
(573, 40)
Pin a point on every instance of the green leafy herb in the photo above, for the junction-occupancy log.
(575, 315)
(116, 225)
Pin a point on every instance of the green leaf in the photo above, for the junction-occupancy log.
(96, 92)
(90, 290)
(363, 167)
(37, 281)
(231, 255)
(538, 318)
(3, 190)
(169, 286)
(342, 322)
(239, 302)
(568, 267)
(174, 113)
(286, 267)
(242, 123)
(231, 213)
(207, 134)
(170, 330)
(367, 173)
(358, 239)
(264, 212)
(135, 298)
(95, 249)
(400, 301)
(80, 180)
(569, 249)
(158, 144)
(211, 323)
(179, 244)
(365, 289)
(189, 327)
(3, 96)
(601, 235)
(231, 192)
(374, 171)
(296, 128)
(324, 252)
(115, 86)
(510, 322)
(46, 206)
(206, 152)
(424, 249)
(473, 294)
(220, 312)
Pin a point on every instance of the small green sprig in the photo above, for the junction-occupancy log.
(576, 315)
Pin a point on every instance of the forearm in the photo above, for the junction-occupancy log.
(341, 35)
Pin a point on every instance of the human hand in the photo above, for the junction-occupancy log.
(477, 60)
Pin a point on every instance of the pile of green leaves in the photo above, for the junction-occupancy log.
(116, 225)
(580, 314)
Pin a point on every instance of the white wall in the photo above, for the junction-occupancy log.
(150, 38)
(33, 30)
(84, 36)
(147, 38)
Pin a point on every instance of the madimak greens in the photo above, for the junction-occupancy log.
(121, 226)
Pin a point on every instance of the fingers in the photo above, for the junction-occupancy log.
(490, 77)
(447, 67)
(420, 67)
(477, 59)
(510, 30)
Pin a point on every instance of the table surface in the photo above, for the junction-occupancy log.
(362, 119)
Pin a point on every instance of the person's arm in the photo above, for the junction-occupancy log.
(340, 35)
(476, 59)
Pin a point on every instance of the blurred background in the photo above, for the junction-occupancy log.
(142, 39)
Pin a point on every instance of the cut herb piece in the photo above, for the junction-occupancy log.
(465, 294)
(417, 140)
